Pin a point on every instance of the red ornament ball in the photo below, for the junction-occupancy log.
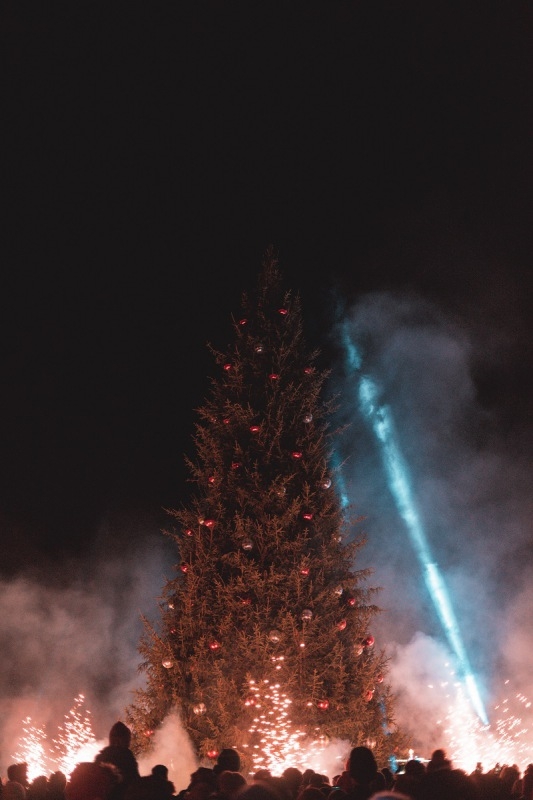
(212, 754)
(184, 567)
(307, 515)
(243, 321)
(254, 428)
(227, 367)
(369, 695)
(297, 454)
(323, 705)
(236, 464)
(341, 625)
(273, 376)
(209, 523)
(304, 571)
(283, 311)
(379, 677)
(211, 479)
(214, 645)
(369, 641)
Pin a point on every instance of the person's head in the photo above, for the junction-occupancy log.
(228, 759)
(438, 761)
(57, 781)
(160, 771)
(362, 765)
(120, 735)
(231, 783)
(415, 767)
(293, 778)
(91, 781)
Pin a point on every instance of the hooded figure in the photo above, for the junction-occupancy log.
(118, 754)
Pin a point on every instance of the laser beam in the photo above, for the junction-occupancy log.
(397, 472)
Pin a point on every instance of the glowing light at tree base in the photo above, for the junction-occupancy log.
(74, 742)
(381, 421)
(275, 744)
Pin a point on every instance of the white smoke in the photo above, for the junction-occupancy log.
(469, 460)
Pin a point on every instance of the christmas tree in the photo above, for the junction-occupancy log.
(264, 642)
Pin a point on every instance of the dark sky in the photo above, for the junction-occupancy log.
(152, 151)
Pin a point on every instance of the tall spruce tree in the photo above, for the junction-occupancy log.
(265, 642)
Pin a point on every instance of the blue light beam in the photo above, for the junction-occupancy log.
(397, 476)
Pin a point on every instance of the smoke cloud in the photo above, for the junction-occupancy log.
(467, 448)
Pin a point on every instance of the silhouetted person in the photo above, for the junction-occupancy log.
(38, 788)
(230, 784)
(227, 759)
(118, 754)
(364, 773)
(57, 783)
(155, 786)
(293, 779)
(13, 789)
(90, 780)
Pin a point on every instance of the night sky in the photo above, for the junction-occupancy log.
(152, 152)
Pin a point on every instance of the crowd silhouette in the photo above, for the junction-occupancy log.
(114, 775)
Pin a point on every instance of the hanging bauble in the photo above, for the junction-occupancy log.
(274, 636)
(236, 465)
(368, 641)
(273, 376)
(307, 516)
(173, 631)
(254, 428)
(188, 532)
(323, 705)
(170, 604)
(379, 677)
(211, 479)
(247, 545)
(341, 625)
(227, 367)
(368, 695)
(148, 733)
(214, 645)
(304, 571)
(226, 420)
(283, 311)
(281, 491)
(326, 484)
(308, 418)
(184, 567)
(167, 663)
(212, 754)
(297, 454)
(307, 614)
(243, 321)
(259, 348)
(350, 600)
(338, 590)
(309, 370)
(209, 523)
(358, 649)
(246, 600)
(199, 709)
